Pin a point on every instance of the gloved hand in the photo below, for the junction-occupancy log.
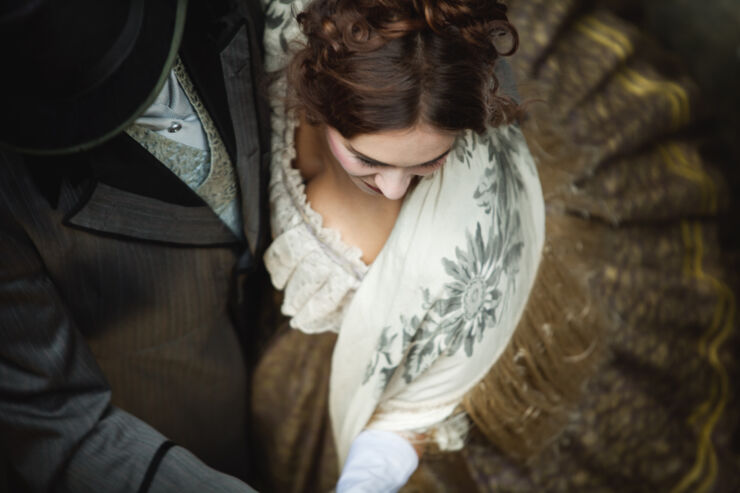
(378, 462)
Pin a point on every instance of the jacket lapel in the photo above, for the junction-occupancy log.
(240, 91)
(223, 57)
(134, 195)
(117, 212)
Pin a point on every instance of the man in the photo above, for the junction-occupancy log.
(132, 201)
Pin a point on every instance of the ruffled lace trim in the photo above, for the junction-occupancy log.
(318, 271)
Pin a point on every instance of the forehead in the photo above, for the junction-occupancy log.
(407, 147)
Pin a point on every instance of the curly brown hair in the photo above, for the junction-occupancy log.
(376, 65)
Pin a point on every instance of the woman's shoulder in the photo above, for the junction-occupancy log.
(318, 271)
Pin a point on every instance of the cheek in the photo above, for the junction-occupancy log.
(352, 166)
(345, 158)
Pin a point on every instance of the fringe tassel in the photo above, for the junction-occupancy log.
(523, 403)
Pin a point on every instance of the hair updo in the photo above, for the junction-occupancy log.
(377, 65)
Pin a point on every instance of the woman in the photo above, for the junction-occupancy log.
(416, 307)
(402, 219)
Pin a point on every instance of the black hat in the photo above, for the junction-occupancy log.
(77, 72)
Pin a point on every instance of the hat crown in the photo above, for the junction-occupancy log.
(61, 49)
(75, 73)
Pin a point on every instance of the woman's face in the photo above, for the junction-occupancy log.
(385, 163)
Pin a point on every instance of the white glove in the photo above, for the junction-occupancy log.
(378, 462)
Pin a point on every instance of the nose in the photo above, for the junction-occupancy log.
(393, 183)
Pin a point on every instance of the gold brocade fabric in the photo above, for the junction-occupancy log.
(293, 434)
(621, 165)
(631, 205)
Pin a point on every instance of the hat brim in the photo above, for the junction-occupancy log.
(51, 127)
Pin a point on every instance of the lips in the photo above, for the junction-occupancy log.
(374, 189)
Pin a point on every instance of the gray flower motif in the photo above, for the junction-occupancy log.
(279, 17)
(382, 351)
(474, 293)
(504, 143)
(501, 178)
(485, 194)
(277, 13)
(464, 148)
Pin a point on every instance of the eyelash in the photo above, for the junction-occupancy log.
(371, 164)
(367, 163)
(434, 164)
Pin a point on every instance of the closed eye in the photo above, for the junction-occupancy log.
(429, 165)
(433, 164)
(371, 164)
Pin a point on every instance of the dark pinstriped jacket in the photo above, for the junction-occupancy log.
(116, 283)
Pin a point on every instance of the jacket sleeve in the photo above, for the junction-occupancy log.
(57, 426)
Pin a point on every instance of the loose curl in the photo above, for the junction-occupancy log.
(377, 65)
